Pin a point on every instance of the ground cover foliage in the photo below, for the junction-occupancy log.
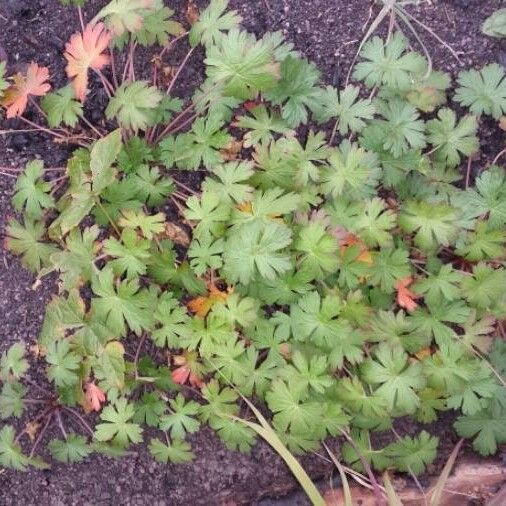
(337, 266)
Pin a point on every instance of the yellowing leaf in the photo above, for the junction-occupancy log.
(423, 353)
(202, 305)
(246, 207)
(126, 15)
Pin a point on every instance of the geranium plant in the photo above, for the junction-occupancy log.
(342, 274)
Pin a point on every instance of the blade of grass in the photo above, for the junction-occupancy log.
(264, 430)
(268, 434)
(348, 501)
(437, 493)
(393, 498)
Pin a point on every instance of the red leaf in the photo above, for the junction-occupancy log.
(189, 368)
(183, 373)
(95, 396)
(405, 297)
(84, 52)
(251, 104)
(16, 97)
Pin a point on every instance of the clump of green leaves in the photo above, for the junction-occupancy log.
(340, 284)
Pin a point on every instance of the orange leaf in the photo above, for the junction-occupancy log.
(405, 297)
(352, 240)
(16, 97)
(202, 305)
(423, 353)
(246, 207)
(95, 396)
(84, 52)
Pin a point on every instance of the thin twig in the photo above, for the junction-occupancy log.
(60, 424)
(177, 204)
(187, 188)
(128, 62)
(40, 436)
(131, 71)
(13, 176)
(90, 125)
(499, 155)
(107, 215)
(81, 18)
(468, 171)
(41, 128)
(137, 353)
(180, 196)
(106, 84)
(37, 106)
(113, 67)
(380, 501)
(172, 42)
(84, 423)
(179, 70)
(59, 179)
(185, 111)
(435, 35)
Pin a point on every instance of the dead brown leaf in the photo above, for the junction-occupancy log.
(232, 150)
(177, 234)
(192, 12)
(31, 428)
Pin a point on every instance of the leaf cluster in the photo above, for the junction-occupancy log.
(341, 284)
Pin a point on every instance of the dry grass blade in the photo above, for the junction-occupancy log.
(383, 13)
(264, 430)
(348, 501)
(437, 493)
(393, 498)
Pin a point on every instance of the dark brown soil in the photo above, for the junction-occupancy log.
(325, 31)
